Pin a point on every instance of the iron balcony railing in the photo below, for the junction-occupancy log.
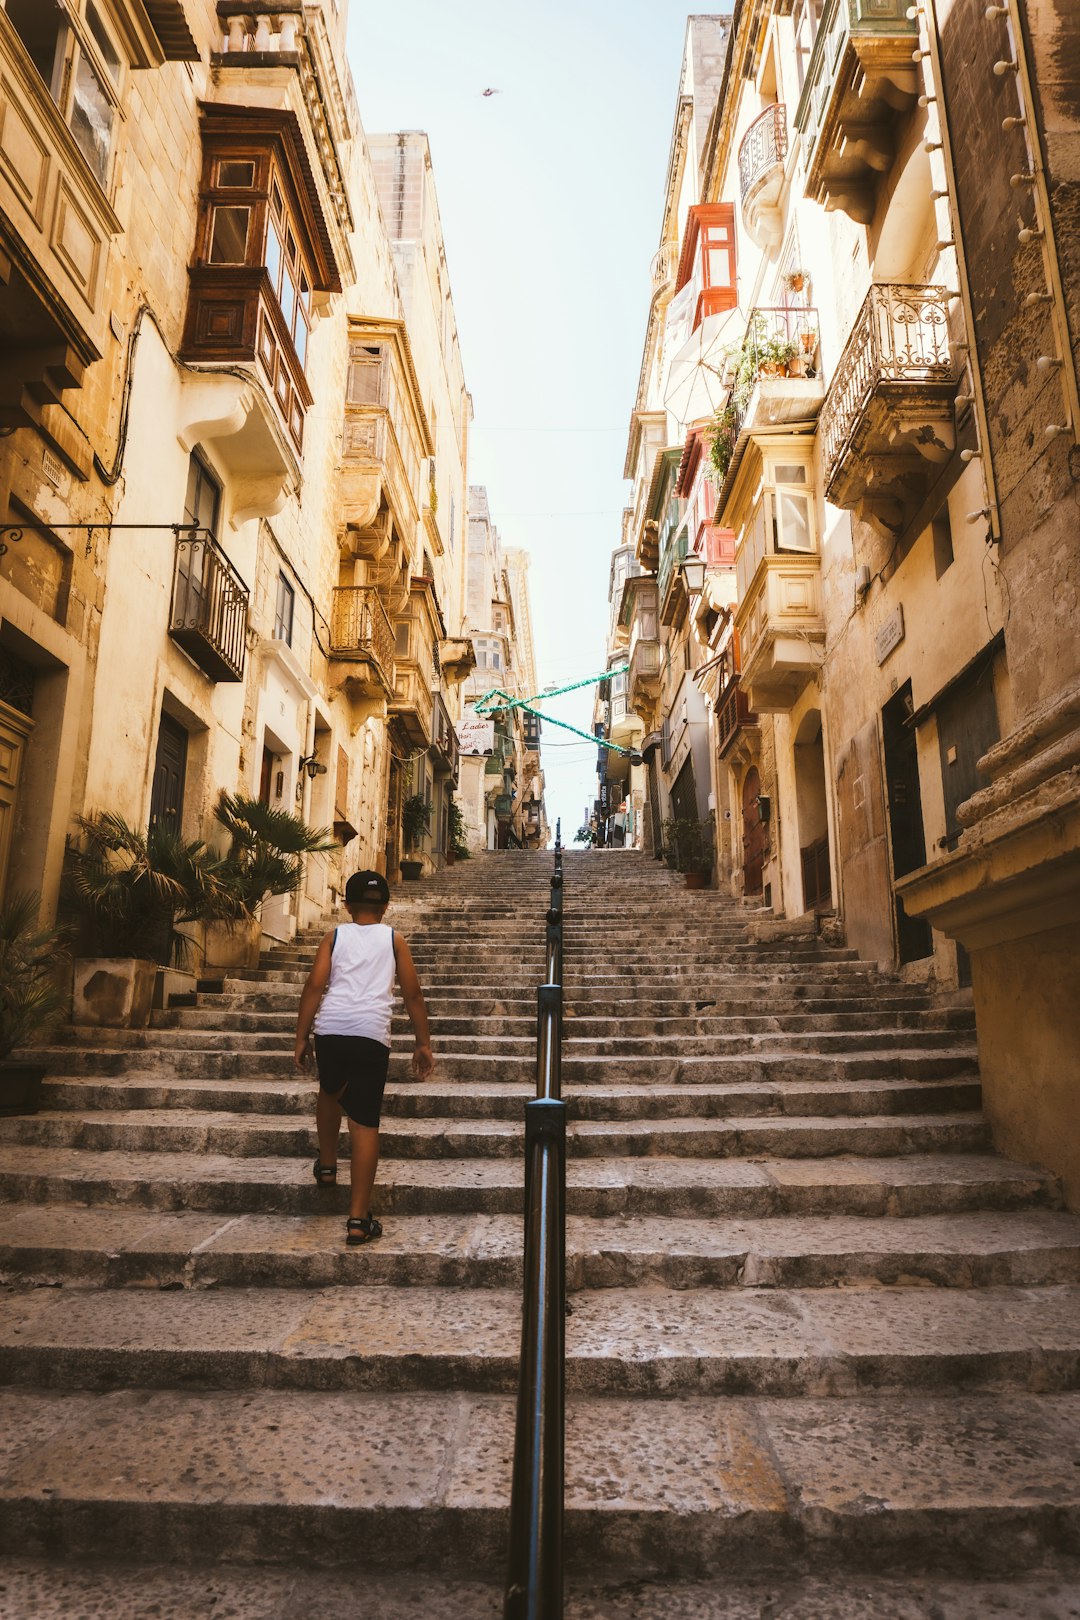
(360, 628)
(665, 264)
(534, 1580)
(444, 740)
(732, 711)
(841, 21)
(900, 336)
(764, 147)
(209, 606)
(778, 342)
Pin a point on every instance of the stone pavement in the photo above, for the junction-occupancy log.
(824, 1356)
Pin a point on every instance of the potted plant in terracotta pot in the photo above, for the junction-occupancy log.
(415, 824)
(132, 892)
(795, 280)
(690, 848)
(265, 857)
(31, 997)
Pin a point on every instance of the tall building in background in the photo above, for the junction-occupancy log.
(502, 783)
(845, 590)
(234, 466)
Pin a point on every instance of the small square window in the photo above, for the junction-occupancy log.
(283, 611)
(232, 173)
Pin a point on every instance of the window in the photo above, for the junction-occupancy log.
(805, 20)
(708, 258)
(283, 611)
(228, 235)
(401, 638)
(81, 68)
(288, 273)
(202, 506)
(366, 374)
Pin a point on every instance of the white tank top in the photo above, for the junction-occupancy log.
(359, 997)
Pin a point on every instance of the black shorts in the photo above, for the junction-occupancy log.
(358, 1064)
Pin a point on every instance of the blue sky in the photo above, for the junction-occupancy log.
(551, 194)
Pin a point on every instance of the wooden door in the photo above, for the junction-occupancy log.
(15, 728)
(754, 833)
(907, 839)
(170, 770)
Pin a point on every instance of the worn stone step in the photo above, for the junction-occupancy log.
(121, 1247)
(918, 1063)
(618, 1341)
(749, 1135)
(986, 1483)
(36, 1589)
(496, 1099)
(639, 1185)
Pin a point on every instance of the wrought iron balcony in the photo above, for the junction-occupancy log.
(761, 175)
(209, 606)
(361, 635)
(664, 266)
(860, 81)
(888, 422)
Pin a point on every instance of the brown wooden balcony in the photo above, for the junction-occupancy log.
(361, 637)
(733, 712)
(444, 738)
(761, 175)
(888, 423)
(209, 607)
(411, 703)
(860, 82)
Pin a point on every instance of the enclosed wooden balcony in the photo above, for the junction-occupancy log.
(782, 631)
(411, 704)
(362, 639)
(860, 83)
(888, 423)
(444, 738)
(762, 155)
(209, 611)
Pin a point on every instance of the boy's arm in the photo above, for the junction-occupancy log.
(310, 996)
(413, 997)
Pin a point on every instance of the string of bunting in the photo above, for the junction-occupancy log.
(497, 700)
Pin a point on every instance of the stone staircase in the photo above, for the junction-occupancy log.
(824, 1353)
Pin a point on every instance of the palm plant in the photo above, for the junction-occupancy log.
(30, 998)
(133, 888)
(265, 854)
(415, 819)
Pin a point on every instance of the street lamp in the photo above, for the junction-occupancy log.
(693, 573)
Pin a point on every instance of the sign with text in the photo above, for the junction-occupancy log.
(889, 635)
(476, 733)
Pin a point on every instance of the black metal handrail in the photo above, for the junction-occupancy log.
(534, 1581)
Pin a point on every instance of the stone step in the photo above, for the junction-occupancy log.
(949, 1482)
(659, 1341)
(736, 1136)
(494, 1040)
(72, 1243)
(498, 1100)
(283, 1001)
(921, 1063)
(639, 1185)
(39, 1590)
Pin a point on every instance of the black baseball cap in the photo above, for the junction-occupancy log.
(369, 888)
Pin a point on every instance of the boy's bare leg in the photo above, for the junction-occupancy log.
(364, 1140)
(328, 1125)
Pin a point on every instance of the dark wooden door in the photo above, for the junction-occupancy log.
(754, 833)
(170, 769)
(907, 839)
(967, 724)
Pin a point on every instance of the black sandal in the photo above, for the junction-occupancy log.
(362, 1229)
(325, 1174)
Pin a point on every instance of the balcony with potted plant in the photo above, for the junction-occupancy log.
(773, 383)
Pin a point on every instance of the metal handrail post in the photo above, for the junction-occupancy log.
(534, 1589)
(549, 1029)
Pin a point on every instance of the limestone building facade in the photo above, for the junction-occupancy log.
(233, 462)
(853, 512)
